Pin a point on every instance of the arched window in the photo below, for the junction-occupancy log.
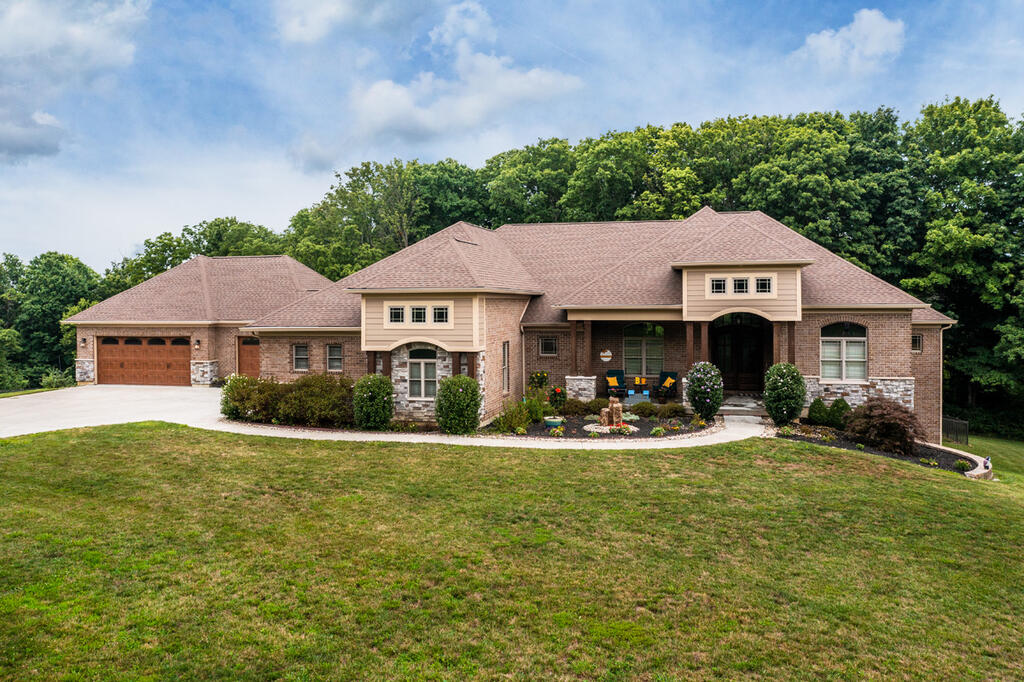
(643, 348)
(422, 373)
(156, 342)
(844, 352)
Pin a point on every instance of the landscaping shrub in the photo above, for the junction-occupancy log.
(514, 416)
(535, 407)
(538, 380)
(704, 389)
(252, 399)
(658, 431)
(54, 378)
(373, 404)
(884, 424)
(557, 397)
(645, 409)
(457, 407)
(596, 405)
(574, 407)
(838, 412)
(671, 411)
(817, 413)
(963, 465)
(784, 392)
(318, 400)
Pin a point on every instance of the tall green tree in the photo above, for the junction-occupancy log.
(11, 379)
(526, 185)
(11, 272)
(609, 174)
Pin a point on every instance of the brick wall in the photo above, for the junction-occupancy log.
(926, 367)
(276, 356)
(502, 324)
(888, 341)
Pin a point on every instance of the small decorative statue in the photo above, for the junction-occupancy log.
(988, 463)
(612, 415)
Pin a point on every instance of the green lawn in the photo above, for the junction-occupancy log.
(11, 394)
(1007, 456)
(160, 551)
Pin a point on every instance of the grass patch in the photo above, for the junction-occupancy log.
(1007, 456)
(154, 550)
(11, 394)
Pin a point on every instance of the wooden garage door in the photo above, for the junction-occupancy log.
(154, 361)
(249, 356)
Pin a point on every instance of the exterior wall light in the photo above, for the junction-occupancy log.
(85, 342)
(197, 343)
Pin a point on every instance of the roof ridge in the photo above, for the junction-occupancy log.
(775, 239)
(205, 279)
(291, 271)
(462, 258)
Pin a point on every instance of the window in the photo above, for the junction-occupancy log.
(156, 342)
(418, 314)
(741, 285)
(179, 342)
(108, 341)
(549, 345)
(763, 285)
(916, 343)
(844, 352)
(718, 285)
(333, 358)
(133, 342)
(300, 358)
(422, 373)
(440, 314)
(504, 367)
(250, 341)
(644, 349)
(396, 314)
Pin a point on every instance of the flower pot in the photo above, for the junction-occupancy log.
(553, 422)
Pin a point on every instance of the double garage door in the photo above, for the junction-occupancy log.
(153, 360)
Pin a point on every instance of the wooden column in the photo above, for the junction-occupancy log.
(791, 341)
(776, 343)
(588, 352)
(371, 362)
(456, 363)
(471, 364)
(705, 351)
(385, 362)
(572, 342)
(690, 333)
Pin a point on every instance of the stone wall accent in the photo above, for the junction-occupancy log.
(581, 387)
(900, 389)
(412, 409)
(204, 372)
(85, 370)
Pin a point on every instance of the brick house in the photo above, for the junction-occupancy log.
(577, 299)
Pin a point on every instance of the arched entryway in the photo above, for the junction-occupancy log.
(741, 348)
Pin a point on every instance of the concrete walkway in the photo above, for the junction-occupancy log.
(200, 407)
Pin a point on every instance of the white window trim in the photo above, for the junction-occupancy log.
(434, 310)
(916, 336)
(643, 355)
(407, 307)
(751, 278)
(771, 285)
(295, 347)
(327, 357)
(392, 308)
(422, 362)
(842, 360)
(540, 347)
(725, 286)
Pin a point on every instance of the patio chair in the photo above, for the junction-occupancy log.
(668, 384)
(616, 379)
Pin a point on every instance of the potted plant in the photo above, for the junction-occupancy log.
(553, 421)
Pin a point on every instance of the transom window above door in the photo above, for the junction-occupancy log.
(643, 349)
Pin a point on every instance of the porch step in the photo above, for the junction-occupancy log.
(743, 403)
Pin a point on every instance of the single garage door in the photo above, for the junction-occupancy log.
(154, 361)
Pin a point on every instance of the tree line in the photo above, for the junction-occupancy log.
(934, 205)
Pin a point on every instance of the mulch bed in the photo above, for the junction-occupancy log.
(824, 435)
(574, 428)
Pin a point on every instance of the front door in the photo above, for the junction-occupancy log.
(249, 356)
(738, 345)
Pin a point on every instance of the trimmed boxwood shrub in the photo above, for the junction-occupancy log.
(838, 412)
(457, 407)
(784, 392)
(574, 407)
(318, 400)
(514, 416)
(704, 389)
(252, 399)
(373, 404)
(596, 405)
(645, 409)
(671, 411)
(884, 424)
(557, 397)
(817, 413)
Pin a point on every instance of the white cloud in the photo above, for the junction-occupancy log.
(465, 21)
(47, 49)
(858, 48)
(485, 87)
(309, 21)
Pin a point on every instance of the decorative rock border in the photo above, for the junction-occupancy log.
(597, 428)
(638, 442)
(979, 472)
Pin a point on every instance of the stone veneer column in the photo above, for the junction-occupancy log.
(581, 387)
(204, 372)
(85, 370)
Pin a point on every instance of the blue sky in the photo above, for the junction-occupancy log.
(120, 119)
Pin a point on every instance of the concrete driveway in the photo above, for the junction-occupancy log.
(97, 405)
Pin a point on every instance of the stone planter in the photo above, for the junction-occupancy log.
(553, 422)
